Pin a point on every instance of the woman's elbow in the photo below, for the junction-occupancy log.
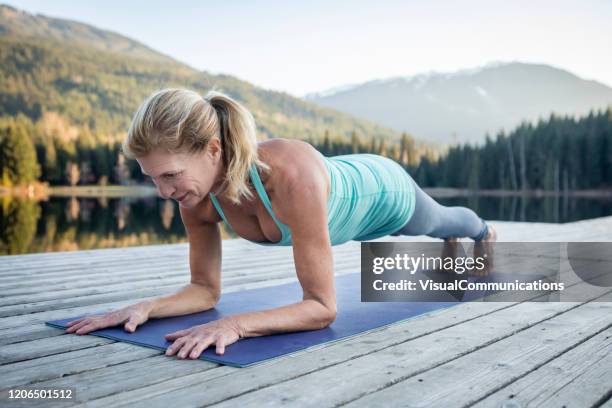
(329, 317)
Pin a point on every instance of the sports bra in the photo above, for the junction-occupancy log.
(370, 196)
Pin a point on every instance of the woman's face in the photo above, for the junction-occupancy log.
(184, 177)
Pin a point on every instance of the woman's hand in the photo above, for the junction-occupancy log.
(195, 340)
(132, 316)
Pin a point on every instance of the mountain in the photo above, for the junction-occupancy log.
(469, 103)
(17, 22)
(69, 75)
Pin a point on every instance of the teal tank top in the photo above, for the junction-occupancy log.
(370, 197)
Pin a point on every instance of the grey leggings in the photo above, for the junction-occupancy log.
(435, 220)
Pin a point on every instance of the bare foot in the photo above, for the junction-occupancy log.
(449, 250)
(484, 249)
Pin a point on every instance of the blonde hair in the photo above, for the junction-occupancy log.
(179, 120)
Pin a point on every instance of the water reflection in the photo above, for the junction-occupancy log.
(65, 224)
(18, 225)
(556, 209)
(167, 214)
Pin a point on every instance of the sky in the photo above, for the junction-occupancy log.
(301, 47)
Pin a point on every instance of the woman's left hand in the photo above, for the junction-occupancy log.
(193, 341)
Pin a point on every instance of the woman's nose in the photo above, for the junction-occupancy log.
(165, 191)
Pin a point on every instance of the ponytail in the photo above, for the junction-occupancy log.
(238, 144)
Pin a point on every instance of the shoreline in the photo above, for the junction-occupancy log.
(103, 191)
(41, 191)
(443, 192)
(44, 191)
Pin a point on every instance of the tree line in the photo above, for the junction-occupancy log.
(28, 155)
(560, 153)
(557, 154)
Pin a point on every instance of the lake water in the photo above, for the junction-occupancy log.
(64, 224)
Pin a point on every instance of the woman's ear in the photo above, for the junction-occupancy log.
(214, 149)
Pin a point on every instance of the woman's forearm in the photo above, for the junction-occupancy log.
(305, 315)
(192, 298)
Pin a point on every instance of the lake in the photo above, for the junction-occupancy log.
(67, 224)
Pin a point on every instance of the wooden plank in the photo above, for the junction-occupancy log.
(51, 259)
(20, 343)
(227, 373)
(48, 346)
(470, 377)
(247, 282)
(369, 378)
(339, 358)
(100, 256)
(137, 266)
(25, 292)
(138, 270)
(152, 370)
(159, 389)
(28, 332)
(70, 363)
(579, 378)
(159, 279)
(100, 305)
(118, 266)
(30, 327)
(33, 327)
(606, 403)
(72, 298)
(15, 321)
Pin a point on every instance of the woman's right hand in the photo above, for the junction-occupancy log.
(132, 316)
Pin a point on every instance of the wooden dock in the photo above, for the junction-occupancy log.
(474, 354)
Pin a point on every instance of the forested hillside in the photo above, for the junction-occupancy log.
(559, 154)
(73, 94)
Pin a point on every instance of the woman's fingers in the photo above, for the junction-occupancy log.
(131, 317)
(74, 322)
(89, 325)
(131, 324)
(223, 341)
(79, 323)
(86, 329)
(178, 343)
(187, 347)
(72, 328)
(192, 342)
(220, 346)
(77, 326)
(130, 327)
(200, 347)
(177, 334)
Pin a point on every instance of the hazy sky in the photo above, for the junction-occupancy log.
(301, 47)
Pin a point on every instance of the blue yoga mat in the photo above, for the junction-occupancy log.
(353, 317)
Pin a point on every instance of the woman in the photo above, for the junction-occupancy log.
(203, 153)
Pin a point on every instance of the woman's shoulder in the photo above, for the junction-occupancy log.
(286, 156)
(292, 163)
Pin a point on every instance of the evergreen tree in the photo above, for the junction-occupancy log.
(17, 155)
(354, 142)
(327, 146)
